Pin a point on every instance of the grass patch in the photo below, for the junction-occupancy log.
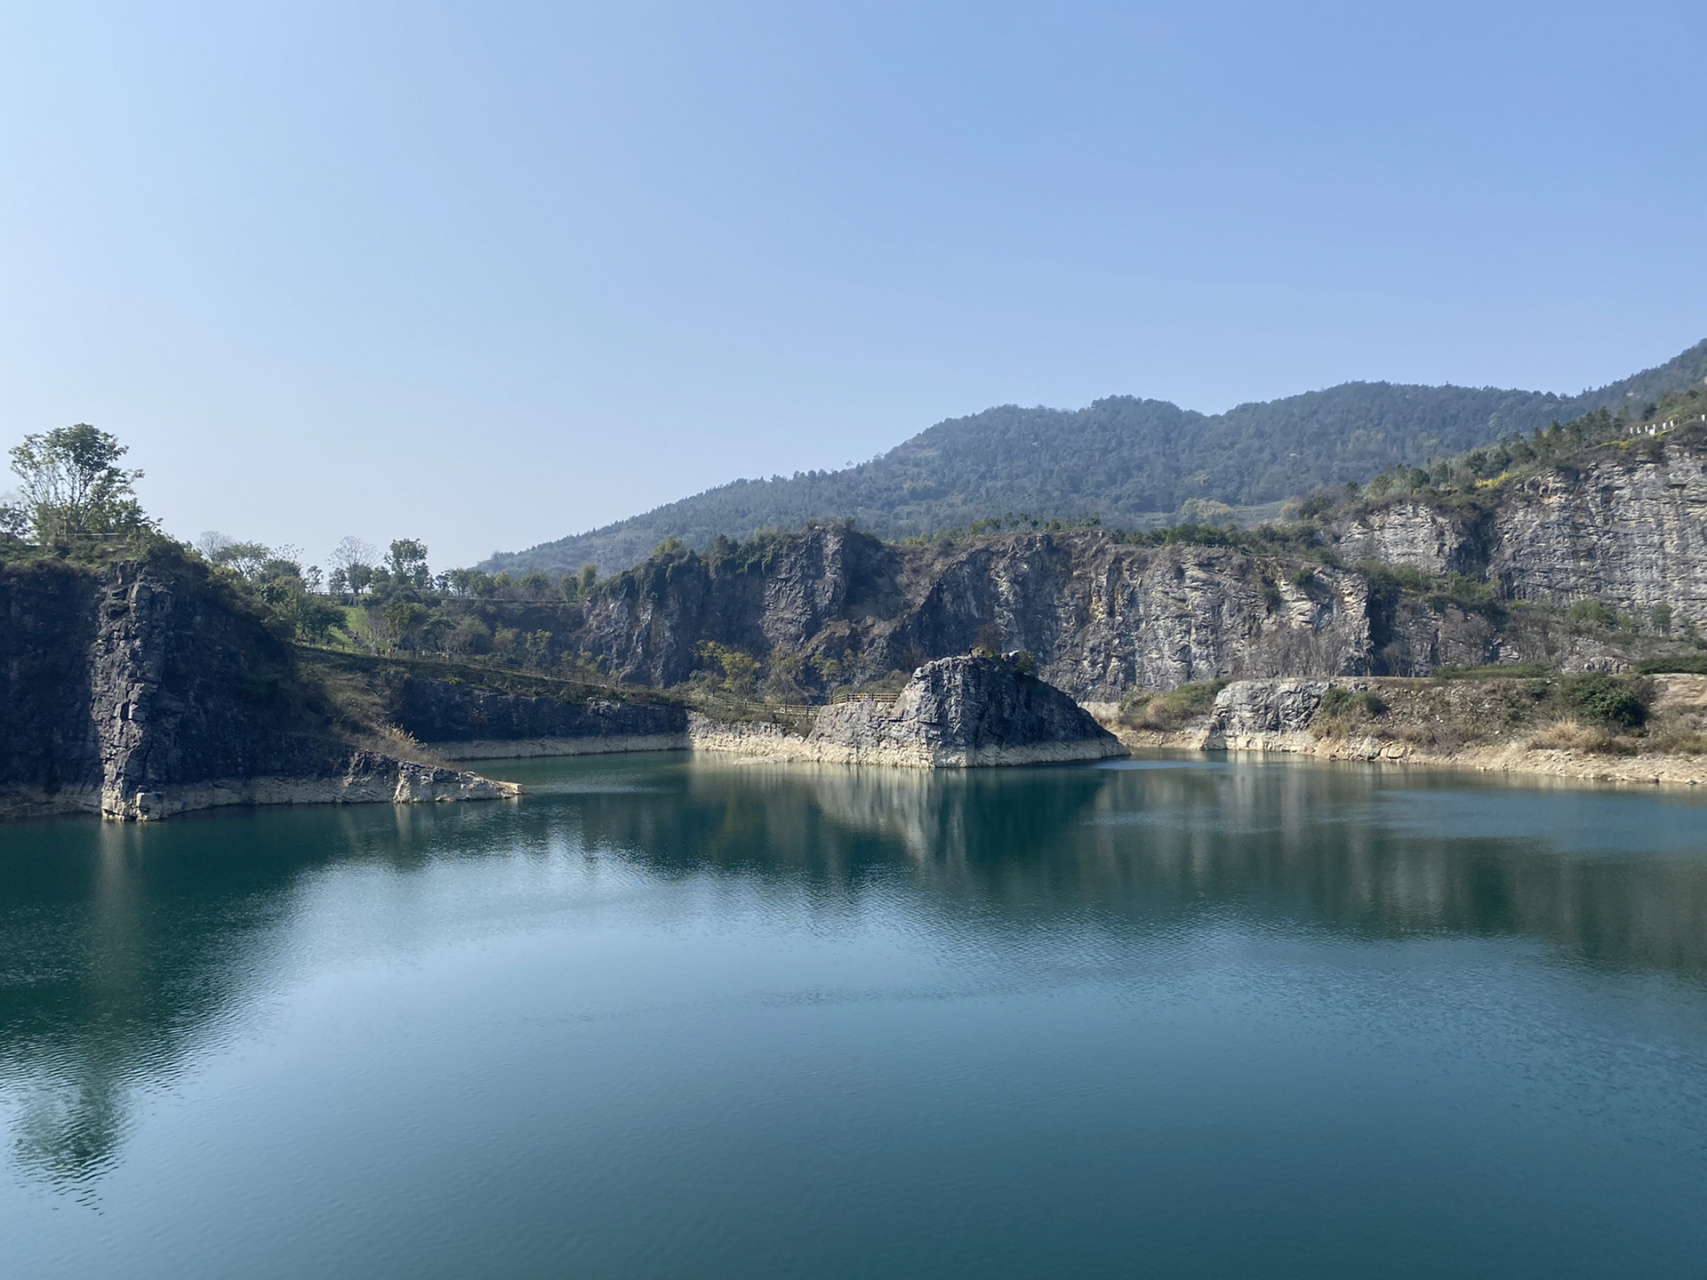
(1682, 665)
(1513, 671)
(1169, 710)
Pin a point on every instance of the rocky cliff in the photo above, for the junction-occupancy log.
(145, 689)
(1100, 616)
(1104, 616)
(462, 722)
(956, 713)
(966, 711)
(1626, 525)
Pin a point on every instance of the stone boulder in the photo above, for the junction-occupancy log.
(965, 712)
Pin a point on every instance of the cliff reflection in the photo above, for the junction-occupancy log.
(1617, 877)
(125, 952)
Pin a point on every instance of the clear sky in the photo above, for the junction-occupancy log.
(488, 274)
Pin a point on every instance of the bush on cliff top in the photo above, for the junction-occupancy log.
(1145, 710)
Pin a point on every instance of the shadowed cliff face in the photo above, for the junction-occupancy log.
(146, 689)
(50, 756)
(188, 686)
(139, 678)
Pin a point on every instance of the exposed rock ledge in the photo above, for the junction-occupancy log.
(1279, 717)
(534, 748)
(369, 779)
(955, 713)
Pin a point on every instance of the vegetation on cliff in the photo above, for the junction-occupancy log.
(1131, 462)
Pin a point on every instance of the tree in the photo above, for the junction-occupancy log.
(740, 669)
(407, 561)
(359, 576)
(72, 485)
(352, 550)
(247, 558)
(401, 618)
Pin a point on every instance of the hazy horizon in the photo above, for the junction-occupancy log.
(490, 278)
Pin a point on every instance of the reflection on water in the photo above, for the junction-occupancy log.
(123, 949)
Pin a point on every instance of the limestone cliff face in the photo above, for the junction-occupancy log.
(1627, 527)
(50, 756)
(1100, 616)
(801, 596)
(145, 691)
(1413, 534)
(1629, 530)
(1103, 617)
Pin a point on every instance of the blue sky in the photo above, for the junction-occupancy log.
(490, 274)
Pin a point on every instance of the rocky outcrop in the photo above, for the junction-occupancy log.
(1490, 725)
(146, 690)
(1413, 534)
(1264, 715)
(963, 712)
(955, 713)
(367, 778)
(1626, 525)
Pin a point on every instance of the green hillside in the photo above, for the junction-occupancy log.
(1132, 462)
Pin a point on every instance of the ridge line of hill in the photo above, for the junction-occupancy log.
(1132, 461)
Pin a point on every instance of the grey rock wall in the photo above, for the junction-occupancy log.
(438, 712)
(146, 690)
(1101, 616)
(965, 711)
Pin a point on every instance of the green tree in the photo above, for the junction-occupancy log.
(402, 617)
(740, 669)
(73, 488)
(539, 650)
(407, 561)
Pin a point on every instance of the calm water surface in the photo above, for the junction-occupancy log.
(676, 1018)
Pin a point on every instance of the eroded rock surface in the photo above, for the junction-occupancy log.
(461, 722)
(955, 713)
(146, 691)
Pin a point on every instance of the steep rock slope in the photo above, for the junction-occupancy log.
(145, 690)
(962, 712)
(1101, 616)
(1625, 525)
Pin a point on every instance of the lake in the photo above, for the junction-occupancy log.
(669, 1016)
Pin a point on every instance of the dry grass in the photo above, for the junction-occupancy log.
(1568, 735)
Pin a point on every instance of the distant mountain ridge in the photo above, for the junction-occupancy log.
(1130, 461)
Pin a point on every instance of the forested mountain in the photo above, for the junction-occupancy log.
(1129, 461)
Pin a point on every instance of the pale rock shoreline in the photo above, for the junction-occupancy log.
(772, 742)
(1274, 717)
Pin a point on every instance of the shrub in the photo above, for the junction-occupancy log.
(1594, 612)
(1608, 701)
(1343, 704)
(1170, 710)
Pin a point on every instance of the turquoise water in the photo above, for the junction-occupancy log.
(673, 1018)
